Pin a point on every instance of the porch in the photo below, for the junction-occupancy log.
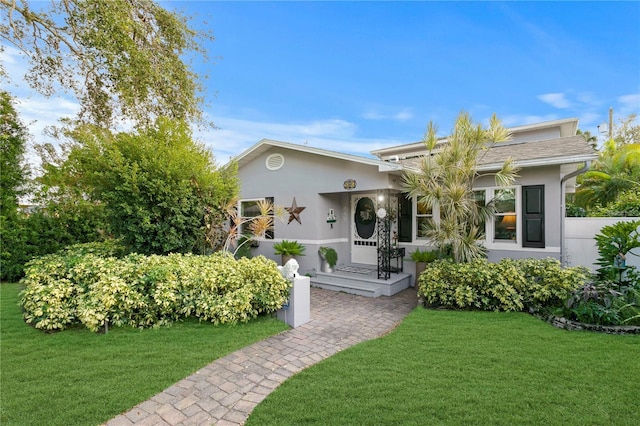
(361, 280)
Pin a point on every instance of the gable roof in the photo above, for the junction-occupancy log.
(561, 128)
(266, 144)
(567, 150)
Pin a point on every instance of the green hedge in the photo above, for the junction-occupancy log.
(76, 287)
(509, 285)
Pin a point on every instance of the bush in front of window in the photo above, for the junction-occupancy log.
(509, 285)
(145, 291)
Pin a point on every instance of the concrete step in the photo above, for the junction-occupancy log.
(345, 286)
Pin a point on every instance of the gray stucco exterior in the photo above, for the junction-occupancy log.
(317, 179)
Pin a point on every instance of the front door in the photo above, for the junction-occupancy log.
(364, 229)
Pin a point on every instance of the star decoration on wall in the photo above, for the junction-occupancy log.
(294, 211)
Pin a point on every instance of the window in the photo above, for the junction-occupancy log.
(505, 220)
(423, 215)
(249, 210)
(481, 200)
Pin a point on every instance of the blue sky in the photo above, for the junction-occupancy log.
(357, 76)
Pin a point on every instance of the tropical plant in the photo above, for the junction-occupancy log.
(446, 180)
(242, 231)
(425, 256)
(615, 171)
(289, 248)
(614, 241)
(329, 255)
(626, 204)
(604, 302)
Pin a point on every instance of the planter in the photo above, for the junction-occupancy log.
(420, 267)
(286, 258)
(326, 267)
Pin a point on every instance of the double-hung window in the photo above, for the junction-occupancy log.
(506, 218)
(250, 212)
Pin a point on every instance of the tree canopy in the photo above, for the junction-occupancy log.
(122, 59)
(13, 144)
(616, 171)
(157, 185)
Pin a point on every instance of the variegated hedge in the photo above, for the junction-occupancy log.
(508, 285)
(75, 287)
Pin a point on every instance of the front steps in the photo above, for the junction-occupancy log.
(367, 285)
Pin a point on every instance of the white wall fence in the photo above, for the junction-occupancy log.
(580, 245)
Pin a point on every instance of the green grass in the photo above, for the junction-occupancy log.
(76, 377)
(474, 368)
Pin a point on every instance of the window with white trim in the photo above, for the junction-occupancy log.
(423, 215)
(504, 226)
(249, 210)
(505, 222)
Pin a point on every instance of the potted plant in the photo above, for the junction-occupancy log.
(421, 258)
(329, 258)
(289, 250)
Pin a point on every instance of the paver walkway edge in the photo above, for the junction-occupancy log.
(227, 390)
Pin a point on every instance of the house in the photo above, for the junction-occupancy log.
(356, 205)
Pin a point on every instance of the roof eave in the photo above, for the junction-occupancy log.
(539, 162)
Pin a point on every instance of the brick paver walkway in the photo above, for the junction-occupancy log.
(227, 390)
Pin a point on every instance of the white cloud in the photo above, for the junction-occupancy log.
(237, 135)
(375, 114)
(557, 100)
(629, 104)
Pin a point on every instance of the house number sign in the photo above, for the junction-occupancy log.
(349, 184)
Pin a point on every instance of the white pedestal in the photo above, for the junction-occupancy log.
(297, 311)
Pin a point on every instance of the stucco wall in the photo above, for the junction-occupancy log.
(317, 183)
(550, 178)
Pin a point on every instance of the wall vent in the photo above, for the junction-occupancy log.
(275, 161)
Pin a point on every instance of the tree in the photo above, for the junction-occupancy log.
(13, 144)
(616, 170)
(628, 132)
(123, 59)
(591, 139)
(156, 185)
(446, 180)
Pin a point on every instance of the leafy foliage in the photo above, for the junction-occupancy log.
(509, 285)
(626, 204)
(13, 144)
(289, 248)
(446, 180)
(79, 287)
(329, 254)
(605, 303)
(47, 231)
(613, 298)
(617, 170)
(157, 186)
(426, 256)
(121, 58)
(612, 241)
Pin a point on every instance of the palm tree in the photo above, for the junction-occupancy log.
(446, 179)
(615, 171)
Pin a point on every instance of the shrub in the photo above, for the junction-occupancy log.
(509, 285)
(77, 287)
(604, 303)
(425, 256)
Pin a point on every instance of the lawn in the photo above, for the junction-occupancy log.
(76, 377)
(445, 367)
